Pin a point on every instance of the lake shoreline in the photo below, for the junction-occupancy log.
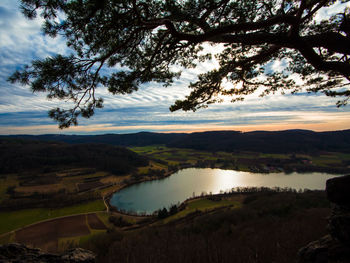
(145, 213)
(108, 197)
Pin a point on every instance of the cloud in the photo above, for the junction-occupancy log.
(325, 12)
(21, 111)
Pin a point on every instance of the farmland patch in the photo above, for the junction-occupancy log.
(45, 235)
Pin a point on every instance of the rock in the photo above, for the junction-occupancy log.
(324, 250)
(333, 248)
(338, 190)
(78, 255)
(339, 224)
(316, 251)
(19, 253)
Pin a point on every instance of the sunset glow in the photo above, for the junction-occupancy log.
(22, 112)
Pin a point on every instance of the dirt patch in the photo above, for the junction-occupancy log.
(73, 226)
(50, 246)
(89, 185)
(45, 235)
(39, 179)
(113, 179)
(76, 172)
(95, 222)
(39, 235)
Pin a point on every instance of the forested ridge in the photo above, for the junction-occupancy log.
(17, 155)
(288, 141)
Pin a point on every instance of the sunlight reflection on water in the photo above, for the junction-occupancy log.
(150, 196)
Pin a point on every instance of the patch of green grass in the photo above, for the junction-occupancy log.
(143, 170)
(148, 149)
(67, 243)
(103, 216)
(15, 219)
(203, 204)
(326, 160)
(85, 239)
(330, 158)
(78, 241)
(93, 206)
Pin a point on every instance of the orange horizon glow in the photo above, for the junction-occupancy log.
(321, 127)
(109, 128)
(314, 121)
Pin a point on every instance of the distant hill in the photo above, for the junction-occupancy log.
(132, 139)
(288, 141)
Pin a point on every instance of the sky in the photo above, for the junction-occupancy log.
(22, 112)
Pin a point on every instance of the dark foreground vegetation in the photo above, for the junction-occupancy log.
(269, 227)
(289, 141)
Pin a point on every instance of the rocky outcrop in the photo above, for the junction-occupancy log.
(335, 247)
(19, 253)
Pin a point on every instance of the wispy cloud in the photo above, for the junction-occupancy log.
(21, 111)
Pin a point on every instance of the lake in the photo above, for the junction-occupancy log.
(147, 197)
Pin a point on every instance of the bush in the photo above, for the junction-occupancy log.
(119, 221)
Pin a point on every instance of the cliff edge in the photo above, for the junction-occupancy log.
(335, 247)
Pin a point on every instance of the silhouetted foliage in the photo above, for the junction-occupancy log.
(118, 221)
(164, 213)
(150, 37)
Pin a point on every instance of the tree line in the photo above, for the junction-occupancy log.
(18, 155)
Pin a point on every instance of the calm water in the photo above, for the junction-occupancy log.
(150, 196)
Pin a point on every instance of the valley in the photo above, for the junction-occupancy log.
(57, 197)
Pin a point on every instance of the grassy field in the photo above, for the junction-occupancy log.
(204, 204)
(15, 219)
(329, 159)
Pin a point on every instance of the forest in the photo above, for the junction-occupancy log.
(19, 155)
(287, 141)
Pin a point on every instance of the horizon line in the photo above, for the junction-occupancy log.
(170, 132)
